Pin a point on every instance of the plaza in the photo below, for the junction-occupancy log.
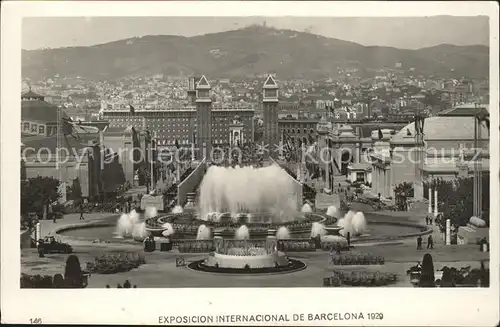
(161, 270)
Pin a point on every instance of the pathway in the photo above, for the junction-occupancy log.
(47, 226)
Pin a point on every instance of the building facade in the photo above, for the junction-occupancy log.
(198, 122)
(38, 117)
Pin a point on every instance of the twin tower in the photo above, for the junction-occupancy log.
(199, 95)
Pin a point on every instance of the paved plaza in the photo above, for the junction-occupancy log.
(160, 269)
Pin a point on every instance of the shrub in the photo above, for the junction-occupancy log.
(427, 276)
(73, 272)
(465, 277)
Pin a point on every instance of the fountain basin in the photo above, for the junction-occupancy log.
(272, 260)
(292, 266)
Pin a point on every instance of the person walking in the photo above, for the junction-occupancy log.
(430, 242)
(81, 212)
(51, 212)
(419, 242)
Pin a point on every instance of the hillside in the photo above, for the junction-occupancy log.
(244, 52)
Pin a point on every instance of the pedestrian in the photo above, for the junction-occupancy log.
(419, 242)
(427, 220)
(51, 212)
(81, 212)
(430, 220)
(126, 284)
(430, 242)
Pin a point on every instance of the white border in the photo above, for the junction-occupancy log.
(452, 307)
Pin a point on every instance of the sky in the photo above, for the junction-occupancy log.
(399, 32)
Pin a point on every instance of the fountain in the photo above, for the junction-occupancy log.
(359, 224)
(203, 233)
(191, 201)
(317, 229)
(283, 233)
(353, 223)
(177, 209)
(332, 211)
(168, 229)
(306, 208)
(242, 233)
(247, 257)
(129, 225)
(247, 189)
(151, 212)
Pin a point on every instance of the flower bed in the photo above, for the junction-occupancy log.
(296, 246)
(359, 279)
(112, 263)
(357, 259)
(200, 246)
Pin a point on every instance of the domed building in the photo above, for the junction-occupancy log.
(38, 117)
(447, 150)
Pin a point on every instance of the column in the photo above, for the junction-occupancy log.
(356, 153)
(374, 178)
(430, 200)
(38, 233)
(435, 203)
(339, 160)
(384, 190)
(327, 170)
(379, 180)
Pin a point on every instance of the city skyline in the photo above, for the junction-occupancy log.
(398, 32)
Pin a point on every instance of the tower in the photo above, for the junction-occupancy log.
(203, 118)
(191, 92)
(270, 107)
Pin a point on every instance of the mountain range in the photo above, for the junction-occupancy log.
(249, 51)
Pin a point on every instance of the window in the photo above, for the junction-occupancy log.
(41, 129)
(26, 127)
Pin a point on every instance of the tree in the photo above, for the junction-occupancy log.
(73, 272)
(37, 193)
(427, 278)
(402, 192)
(75, 190)
(456, 199)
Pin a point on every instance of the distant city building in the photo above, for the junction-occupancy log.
(198, 122)
(38, 117)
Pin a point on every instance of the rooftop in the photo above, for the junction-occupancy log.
(446, 128)
(39, 110)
